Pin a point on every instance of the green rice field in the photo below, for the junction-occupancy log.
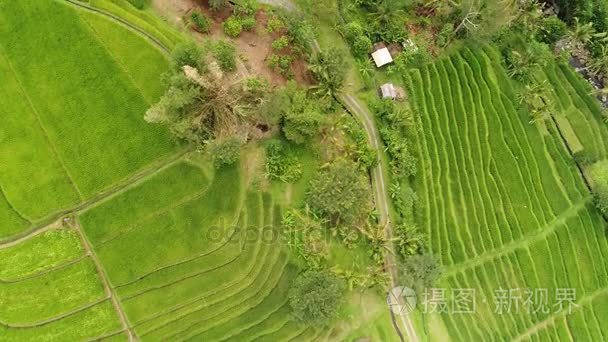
(72, 121)
(503, 203)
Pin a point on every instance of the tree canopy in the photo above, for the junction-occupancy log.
(315, 297)
(420, 271)
(340, 192)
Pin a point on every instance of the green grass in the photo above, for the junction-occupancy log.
(50, 295)
(38, 254)
(86, 102)
(98, 321)
(503, 203)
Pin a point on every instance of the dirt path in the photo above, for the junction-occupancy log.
(93, 201)
(104, 280)
(363, 115)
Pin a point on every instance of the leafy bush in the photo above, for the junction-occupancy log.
(352, 30)
(315, 297)
(302, 117)
(275, 24)
(394, 119)
(245, 8)
(280, 43)
(218, 5)
(420, 271)
(233, 26)
(340, 193)
(188, 53)
(599, 175)
(362, 46)
(200, 21)
(282, 164)
(248, 23)
(552, 29)
(225, 152)
(225, 54)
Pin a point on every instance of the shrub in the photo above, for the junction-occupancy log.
(280, 43)
(599, 176)
(200, 21)
(218, 5)
(245, 8)
(362, 46)
(225, 152)
(233, 26)
(281, 164)
(315, 297)
(552, 29)
(188, 53)
(352, 30)
(340, 193)
(274, 24)
(225, 54)
(248, 23)
(420, 272)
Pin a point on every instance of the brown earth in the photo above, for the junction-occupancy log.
(254, 47)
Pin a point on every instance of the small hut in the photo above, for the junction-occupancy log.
(389, 91)
(382, 57)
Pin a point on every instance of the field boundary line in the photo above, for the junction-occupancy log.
(103, 277)
(119, 187)
(262, 291)
(47, 271)
(181, 262)
(108, 335)
(56, 318)
(587, 299)
(528, 239)
(13, 208)
(155, 214)
(119, 63)
(122, 21)
(36, 115)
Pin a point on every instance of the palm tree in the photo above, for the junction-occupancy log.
(581, 34)
(599, 65)
(387, 11)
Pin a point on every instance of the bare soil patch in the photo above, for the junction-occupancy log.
(254, 48)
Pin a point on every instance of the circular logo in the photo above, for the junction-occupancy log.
(401, 300)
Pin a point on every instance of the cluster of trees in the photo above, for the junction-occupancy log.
(201, 104)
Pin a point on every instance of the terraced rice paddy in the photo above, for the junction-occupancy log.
(504, 205)
(188, 255)
(581, 111)
(71, 102)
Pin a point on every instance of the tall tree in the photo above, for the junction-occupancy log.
(340, 193)
(315, 297)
